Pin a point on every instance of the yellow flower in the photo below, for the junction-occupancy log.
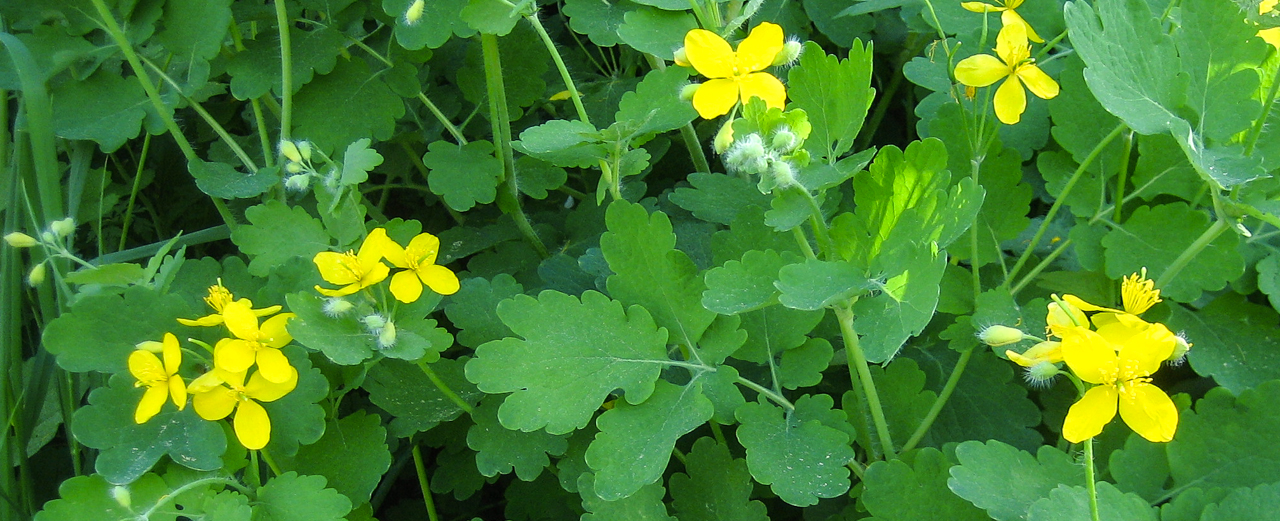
(1120, 365)
(1272, 35)
(161, 380)
(1137, 293)
(218, 299)
(1008, 16)
(253, 344)
(219, 392)
(419, 263)
(1062, 316)
(354, 271)
(735, 75)
(1015, 66)
(1047, 351)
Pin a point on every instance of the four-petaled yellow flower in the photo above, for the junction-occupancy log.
(735, 75)
(354, 271)
(254, 344)
(218, 299)
(419, 263)
(1121, 366)
(1007, 14)
(1015, 66)
(219, 392)
(160, 379)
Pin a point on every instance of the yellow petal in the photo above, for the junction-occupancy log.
(1149, 411)
(1010, 101)
(205, 321)
(264, 390)
(334, 268)
(1019, 359)
(374, 274)
(274, 366)
(274, 332)
(269, 310)
(764, 86)
(150, 404)
(253, 426)
(241, 321)
(439, 278)
(1048, 351)
(1011, 17)
(757, 51)
(340, 292)
(1271, 36)
(1082, 305)
(178, 390)
(1145, 351)
(980, 70)
(1088, 416)
(146, 366)
(172, 354)
(233, 355)
(980, 7)
(709, 54)
(394, 254)
(1038, 82)
(1011, 44)
(406, 286)
(214, 404)
(1090, 356)
(715, 97)
(205, 382)
(425, 247)
(375, 245)
(1064, 315)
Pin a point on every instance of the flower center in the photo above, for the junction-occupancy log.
(218, 297)
(351, 263)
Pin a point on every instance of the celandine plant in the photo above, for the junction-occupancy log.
(640, 260)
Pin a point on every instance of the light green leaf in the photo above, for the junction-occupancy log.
(463, 174)
(401, 388)
(789, 209)
(290, 497)
(718, 198)
(224, 181)
(715, 486)
(645, 505)
(357, 161)
(649, 271)
(1005, 481)
(655, 105)
(344, 105)
(1224, 431)
(1162, 170)
(570, 356)
(106, 108)
(745, 285)
(120, 274)
(657, 32)
(1154, 236)
(490, 16)
(635, 441)
(835, 94)
(1213, 40)
(561, 142)
(90, 498)
(473, 309)
(1269, 278)
(721, 387)
(264, 238)
(775, 329)
(100, 331)
(500, 450)
(794, 452)
(1067, 503)
(918, 491)
(352, 455)
(816, 284)
(343, 339)
(905, 306)
(1234, 341)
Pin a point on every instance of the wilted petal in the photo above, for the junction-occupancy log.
(150, 404)
(709, 54)
(1088, 416)
(439, 278)
(715, 97)
(764, 86)
(233, 355)
(1090, 356)
(1149, 411)
(980, 70)
(1010, 101)
(274, 366)
(406, 287)
(214, 404)
(253, 427)
(757, 51)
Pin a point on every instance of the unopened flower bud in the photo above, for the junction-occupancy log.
(336, 307)
(290, 150)
(1180, 350)
(150, 345)
(387, 337)
(292, 167)
(687, 92)
(374, 322)
(681, 57)
(414, 12)
(48, 237)
(36, 276)
(63, 227)
(20, 240)
(790, 53)
(724, 138)
(304, 149)
(998, 335)
(1041, 374)
(122, 496)
(297, 183)
(783, 173)
(784, 140)
(747, 155)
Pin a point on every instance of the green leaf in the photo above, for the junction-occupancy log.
(120, 274)
(572, 354)
(1269, 278)
(635, 441)
(1004, 209)
(816, 284)
(650, 272)
(463, 175)
(1154, 236)
(344, 105)
(263, 239)
(543, 499)
(536, 177)
(352, 455)
(1256, 503)
(441, 19)
(105, 107)
(402, 389)
(1213, 39)
(343, 339)
(803, 366)
(655, 31)
(748, 232)
(1141, 467)
(655, 105)
(500, 450)
(290, 497)
(745, 285)
(905, 306)
(1079, 121)
(567, 143)
(100, 331)
(187, 36)
(789, 209)
(256, 70)
(1233, 339)
(473, 309)
(918, 491)
(224, 181)
(357, 161)
(1162, 170)
(773, 330)
(835, 94)
(794, 452)
(645, 505)
(90, 498)
(716, 486)
(721, 387)
(989, 403)
(128, 449)
(598, 20)
(1067, 503)
(718, 198)
(490, 16)
(298, 418)
(1005, 481)
(227, 505)
(1224, 431)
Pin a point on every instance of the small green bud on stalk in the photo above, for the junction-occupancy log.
(122, 496)
(784, 140)
(414, 12)
(292, 167)
(20, 240)
(998, 335)
(1041, 374)
(789, 54)
(63, 227)
(297, 183)
(681, 57)
(48, 237)
(724, 137)
(387, 337)
(290, 151)
(36, 276)
(374, 322)
(304, 149)
(1180, 350)
(687, 92)
(336, 307)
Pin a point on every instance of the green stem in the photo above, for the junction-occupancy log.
(1031, 275)
(444, 388)
(768, 393)
(133, 193)
(564, 71)
(819, 223)
(424, 485)
(858, 361)
(1122, 176)
(251, 474)
(718, 433)
(271, 463)
(1194, 249)
(1062, 197)
(208, 119)
(696, 154)
(286, 71)
(448, 125)
(803, 241)
(1089, 479)
(1268, 103)
(941, 401)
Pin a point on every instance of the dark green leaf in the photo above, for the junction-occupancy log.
(264, 239)
(463, 175)
(1005, 481)
(352, 455)
(655, 31)
(800, 457)
(402, 389)
(915, 492)
(104, 107)
(290, 497)
(1224, 431)
(716, 486)
(1154, 236)
(645, 505)
(500, 450)
(344, 105)
(224, 181)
